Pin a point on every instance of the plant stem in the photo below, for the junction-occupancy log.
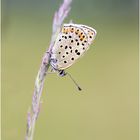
(33, 113)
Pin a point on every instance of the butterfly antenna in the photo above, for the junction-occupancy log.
(74, 82)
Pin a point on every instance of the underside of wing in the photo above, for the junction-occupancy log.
(71, 43)
(91, 33)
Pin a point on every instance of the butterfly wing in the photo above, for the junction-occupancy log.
(91, 33)
(71, 43)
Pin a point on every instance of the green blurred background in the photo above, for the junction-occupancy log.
(107, 108)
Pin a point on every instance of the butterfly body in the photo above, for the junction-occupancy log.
(72, 42)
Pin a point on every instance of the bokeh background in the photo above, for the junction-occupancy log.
(107, 108)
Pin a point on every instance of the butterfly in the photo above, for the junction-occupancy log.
(71, 43)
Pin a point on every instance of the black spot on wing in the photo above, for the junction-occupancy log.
(77, 43)
(78, 53)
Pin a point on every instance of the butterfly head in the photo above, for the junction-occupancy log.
(61, 73)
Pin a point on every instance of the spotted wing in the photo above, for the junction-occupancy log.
(70, 44)
(91, 33)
